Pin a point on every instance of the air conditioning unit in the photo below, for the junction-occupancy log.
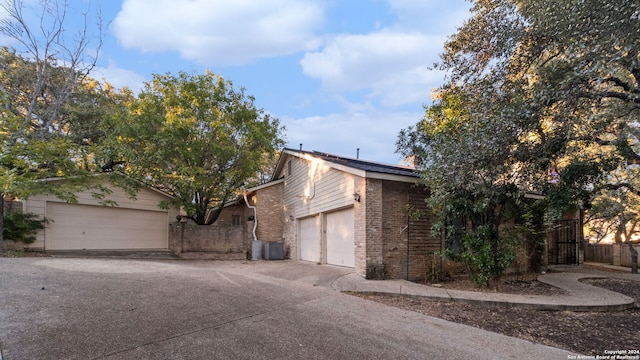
(273, 250)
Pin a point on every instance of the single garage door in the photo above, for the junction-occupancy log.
(340, 239)
(76, 227)
(310, 239)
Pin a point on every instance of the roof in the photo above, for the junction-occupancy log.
(360, 167)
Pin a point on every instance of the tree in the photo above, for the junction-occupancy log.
(543, 86)
(37, 79)
(197, 138)
(617, 212)
(479, 209)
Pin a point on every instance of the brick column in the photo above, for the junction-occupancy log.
(360, 229)
(374, 235)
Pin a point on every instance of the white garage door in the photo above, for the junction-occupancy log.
(340, 239)
(75, 227)
(310, 239)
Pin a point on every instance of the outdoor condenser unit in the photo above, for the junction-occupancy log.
(273, 250)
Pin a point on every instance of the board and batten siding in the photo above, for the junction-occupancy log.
(313, 187)
(146, 199)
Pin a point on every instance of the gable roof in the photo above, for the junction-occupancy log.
(363, 168)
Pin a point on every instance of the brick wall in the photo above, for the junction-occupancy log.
(220, 237)
(395, 221)
(375, 267)
(410, 249)
(360, 228)
(270, 213)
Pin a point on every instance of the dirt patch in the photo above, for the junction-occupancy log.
(588, 333)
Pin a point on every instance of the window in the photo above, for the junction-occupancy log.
(289, 168)
(236, 220)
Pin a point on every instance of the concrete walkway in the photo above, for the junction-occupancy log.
(580, 296)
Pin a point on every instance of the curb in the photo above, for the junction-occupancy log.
(507, 304)
(581, 298)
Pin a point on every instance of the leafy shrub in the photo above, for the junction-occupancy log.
(22, 227)
(485, 254)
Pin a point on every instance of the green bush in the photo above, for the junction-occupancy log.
(22, 227)
(485, 254)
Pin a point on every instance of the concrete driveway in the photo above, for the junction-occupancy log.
(53, 308)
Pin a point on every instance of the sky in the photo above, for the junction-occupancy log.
(340, 75)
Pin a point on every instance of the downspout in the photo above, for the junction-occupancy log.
(255, 216)
(256, 245)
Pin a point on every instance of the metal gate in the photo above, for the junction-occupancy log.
(564, 242)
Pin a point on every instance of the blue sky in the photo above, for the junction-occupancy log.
(339, 74)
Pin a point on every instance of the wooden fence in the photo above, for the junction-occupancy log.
(600, 253)
(625, 254)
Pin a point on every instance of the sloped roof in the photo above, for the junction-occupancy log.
(363, 167)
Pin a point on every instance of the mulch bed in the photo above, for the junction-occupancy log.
(587, 333)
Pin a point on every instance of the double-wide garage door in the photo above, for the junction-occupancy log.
(339, 239)
(76, 227)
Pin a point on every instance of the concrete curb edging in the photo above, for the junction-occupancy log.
(581, 297)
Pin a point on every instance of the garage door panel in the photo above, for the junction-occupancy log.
(340, 238)
(104, 228)
(310, 239)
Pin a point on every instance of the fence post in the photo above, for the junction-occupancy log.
(616, 254)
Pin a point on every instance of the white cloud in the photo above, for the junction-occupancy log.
(219, 32)
(392, 65)
(118, 77)
(373, 132)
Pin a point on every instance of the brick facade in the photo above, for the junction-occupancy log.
(375, 266)
(391, 222)
(360, 227)
(268, 203)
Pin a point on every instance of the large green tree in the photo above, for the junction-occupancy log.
(66, 147)
(197, 138)
(39, 76)
(536, 88)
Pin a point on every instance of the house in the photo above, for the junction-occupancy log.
(132, 224)
(328, 209)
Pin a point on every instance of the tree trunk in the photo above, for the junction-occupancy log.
(634, 259)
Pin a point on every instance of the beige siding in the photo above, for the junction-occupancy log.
(146, 199)
(313, 188)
